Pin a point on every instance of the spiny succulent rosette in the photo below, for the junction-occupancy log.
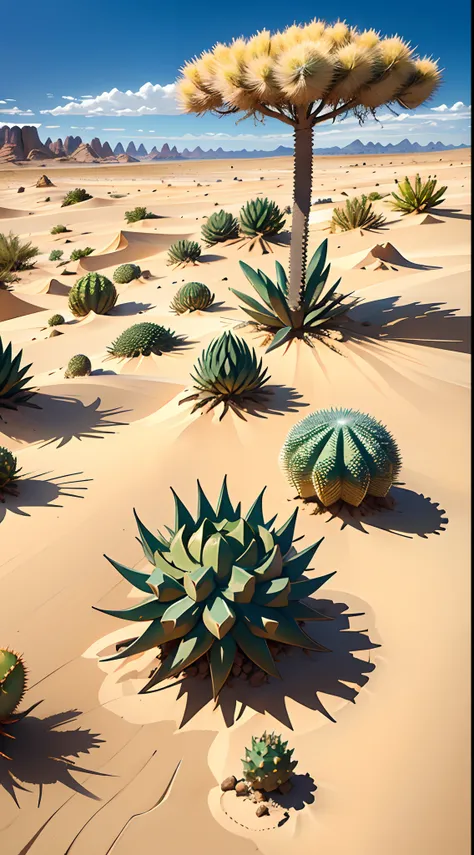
(417, 197)
(184, 252)
(12, 689)
(221, 584)
(92, 293)
(125, 273)
(78, 366)
(142, 340)
(220, 227)
(227, 372)
(194, 296)
(318, 310)
(56, 321)
(13, 379)
(340, 455)
(261, 218)
(8, 471)
(268, 763)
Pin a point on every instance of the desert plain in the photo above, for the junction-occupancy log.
(379, 726)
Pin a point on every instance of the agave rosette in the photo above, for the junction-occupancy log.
(221, 582)
(13, 379)
(417, 197)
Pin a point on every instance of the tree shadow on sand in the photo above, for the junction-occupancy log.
(41, 493)
(426, 324)
(408, 514)
(39, 754)
(305, 674)
(60, 419)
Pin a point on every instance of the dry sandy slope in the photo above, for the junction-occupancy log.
(390, 771)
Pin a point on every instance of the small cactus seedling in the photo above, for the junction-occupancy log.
(125, 273)
(92, 293)
(142, 340)
(184, 252)
(191, 297)
(78, 366)
(56, 321)
(219, 227)
(8, 471)
(340, 455)
(268, 763)
(13, 380)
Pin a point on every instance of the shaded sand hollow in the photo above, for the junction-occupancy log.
(380, 725)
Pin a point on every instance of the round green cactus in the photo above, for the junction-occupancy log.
(78, 366)
(92, 293)
(56, 321)
(8, 468)
(12, 379)
(268, 763)
(227, 371)
(12, 683)
(219, 227)
(220, 582)
(261, 218)
(191, 297)
(125, 273)
(340, 455)
(142, 340)
(184, 252)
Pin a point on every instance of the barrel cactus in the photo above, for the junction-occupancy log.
(8, 470)
(125, 273)
(13, 380)
(184, 252)
(92, 293)
(261, 218)
(191, 297)
(12, 683)
(340, 455)
(220, 582)
(228, 372)
(56, 321)
(219, 227)
(78, 366)
(142, 340)
(268, 763)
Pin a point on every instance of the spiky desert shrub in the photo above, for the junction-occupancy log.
(191, 297)
(139, 213)
(142, 340)
(9, 470)
(16, 255)
(13, 380)
(76, 254)
(220, 582)
(59, 230)
(78, 366)
(92, 293)
(340, 454)
(356, 214)
(126, 273)
(418, 197)
(56, 254)
(227, 372)
(56, 320)
(219, 227)
(75, 196)
(184, 252)
(268, 763)
(303, 76)
(318, 312)
(7, 279)
(374, 196)
(261, 218)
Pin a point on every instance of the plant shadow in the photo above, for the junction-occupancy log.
(60, 419)
(277, 401)
(208, 257)
(454, 213)
(301, 793)
(39, 492)
(39, 755)
(410, 514)
(131, 308)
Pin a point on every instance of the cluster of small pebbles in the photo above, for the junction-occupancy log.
(262, 799)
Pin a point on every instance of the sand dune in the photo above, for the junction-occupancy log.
(128, 246)
(14, 307)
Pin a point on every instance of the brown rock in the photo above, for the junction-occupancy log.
(262, 810)
(260, 796)
(228, 783)
(242, 789)
(54, 333)
(285, 787)
(44, 181)
(21, 190)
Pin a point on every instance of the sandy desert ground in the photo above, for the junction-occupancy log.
(380, 726)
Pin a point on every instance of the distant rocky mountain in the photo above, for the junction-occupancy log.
(20, 141)
(119, 149)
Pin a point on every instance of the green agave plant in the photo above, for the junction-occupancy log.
(125, 273)
(261, 218)
(191, 297)
(92, 293)
(317, 311)
(268, 762)
(142, 340)
(9, 470)
(419, 197)
(78, 366)
(228, 372)
(219, 227)
(356, 214)
(340, 455)
(13, 380)
(220, 582)
(184, 252)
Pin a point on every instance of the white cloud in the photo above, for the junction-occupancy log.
(51, 127)
(458, 107)
(15, 111)
(3, 102)
(153, 100)
(22, 124)
(86, 96)
(82, 127)
(113, 129)
(68, 97)
(49, 95)
(10, 99)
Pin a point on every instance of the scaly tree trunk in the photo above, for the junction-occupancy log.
(302, 180)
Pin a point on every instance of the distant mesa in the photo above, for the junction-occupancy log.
(380, 253)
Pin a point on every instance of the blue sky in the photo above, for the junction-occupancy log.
(108, 51)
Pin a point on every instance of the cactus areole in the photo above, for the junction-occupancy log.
(303, 76)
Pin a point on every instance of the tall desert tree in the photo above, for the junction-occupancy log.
(304, 76)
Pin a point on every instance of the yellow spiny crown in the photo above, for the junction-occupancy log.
(259, 45)
(304, 72)
(368, 38)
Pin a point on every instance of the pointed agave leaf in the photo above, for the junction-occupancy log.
(254, 304)
(200, 583)
(218, 617)
(264, 320)
(276, 625)
(302, 611)
(137, 579)
(224, 505)
(149, 609)
(183, 614)
(273, 593)
(195, 645)
(306, 587)
(316, 265)
(149, 542)
(255, 648)
(283, 335)
(198, 540)
(285, 535)
(218, 555)
(182, 515)
(282, 279)
(254, 516)
(241, 586)
(179, 554)
(271, 295)
(295, 566)
(165, 587)
(221, 659)
(161, 560)
(205, 509)
(153, 636)
(270, 568)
